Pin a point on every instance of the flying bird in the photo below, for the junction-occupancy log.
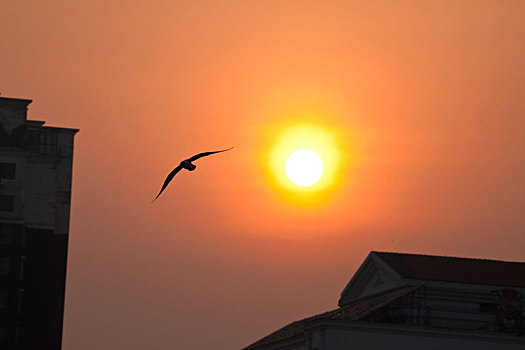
(186, 164)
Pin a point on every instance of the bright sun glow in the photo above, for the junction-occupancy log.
(304, 162)
(304, 167)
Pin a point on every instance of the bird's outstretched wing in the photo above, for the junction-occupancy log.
(168, 179)
(204, 154)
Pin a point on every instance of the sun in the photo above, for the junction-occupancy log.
(305, 162)
(304, 167)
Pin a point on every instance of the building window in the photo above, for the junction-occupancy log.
(4, 266)
(43, 141)
(7, 203)
(3, 298)
(19, 302)
(487, 308)
(18, 333)
(3, 327)
(7, 171)
(22, 268)
(48, 142)
(6, 233)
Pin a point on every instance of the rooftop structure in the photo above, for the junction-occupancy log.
(412, 301)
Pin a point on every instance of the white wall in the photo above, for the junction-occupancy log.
(337, 339)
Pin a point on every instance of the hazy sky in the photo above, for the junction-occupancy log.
(428, 97)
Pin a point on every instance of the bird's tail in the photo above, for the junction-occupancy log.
(154, 199)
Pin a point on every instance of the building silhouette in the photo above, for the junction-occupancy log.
(35, 193)
(408, 301)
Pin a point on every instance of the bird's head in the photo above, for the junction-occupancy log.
(186, 164)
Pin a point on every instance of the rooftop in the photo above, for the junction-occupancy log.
(353, 311)
(453, 269)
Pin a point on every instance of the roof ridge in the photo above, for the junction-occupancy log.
(450, 257)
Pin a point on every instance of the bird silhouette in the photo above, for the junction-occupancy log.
(185, 164)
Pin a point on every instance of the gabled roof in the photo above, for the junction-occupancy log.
(353, 311)
(452, 269)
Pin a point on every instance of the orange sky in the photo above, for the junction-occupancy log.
(427, 95)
